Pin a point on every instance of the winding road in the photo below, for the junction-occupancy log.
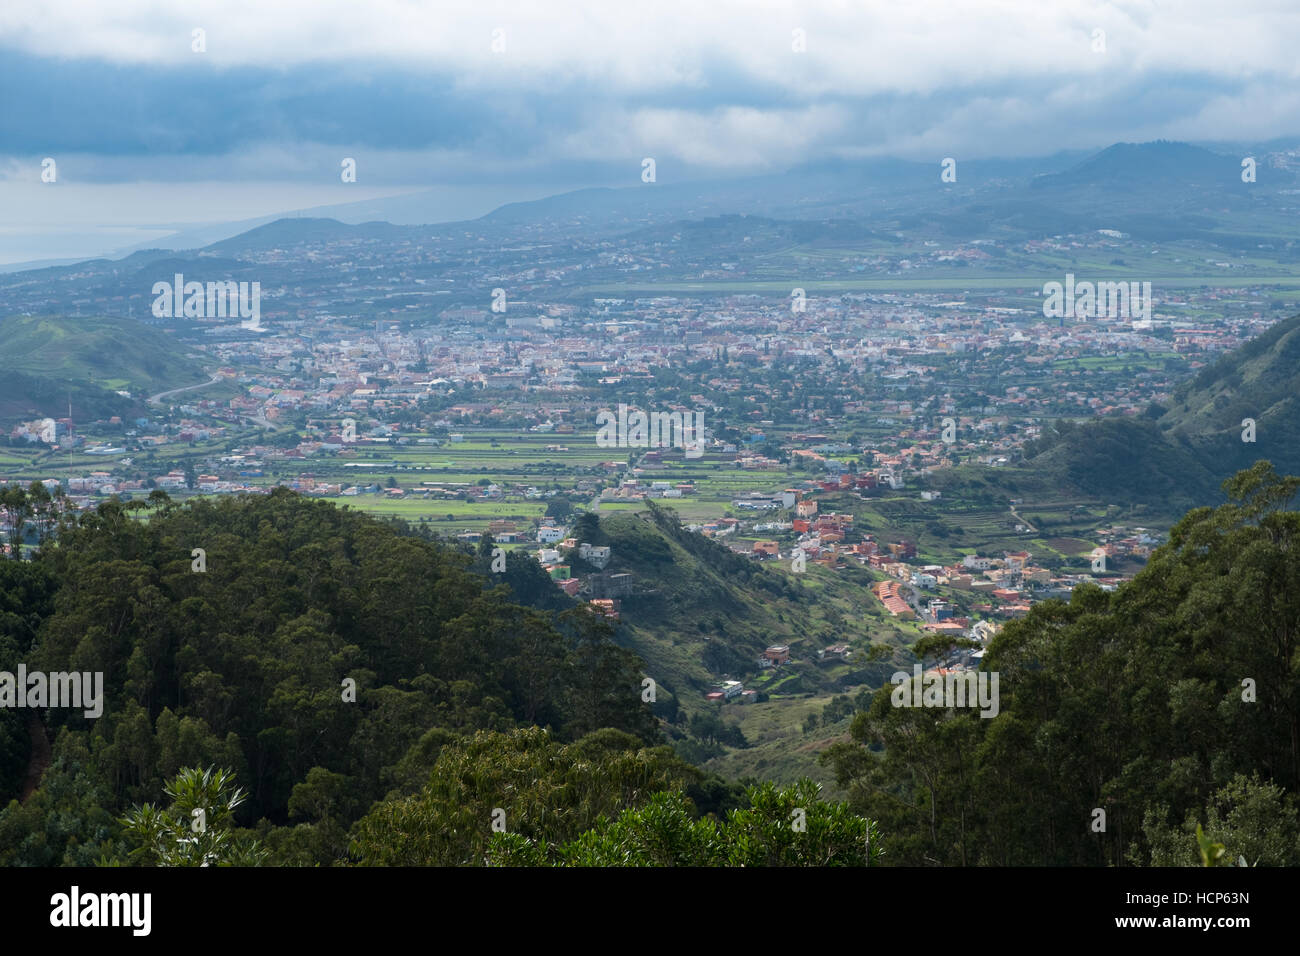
(1023, 520)
(258, 418)
(155, 399)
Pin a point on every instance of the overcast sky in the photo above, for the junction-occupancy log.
(149, 135)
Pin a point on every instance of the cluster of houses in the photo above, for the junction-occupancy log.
(604, 587)
(1011, 583)
(103, 483)
(731, 690)
(820, 538)
(49, 431)
(889, 594)
(1119, 542)
(634, 489)
(140, 431)
(774, 656)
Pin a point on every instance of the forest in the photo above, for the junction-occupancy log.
(1128, 719)
(330, 688)
(325, 688)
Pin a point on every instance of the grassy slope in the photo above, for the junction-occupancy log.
(109, 352)
(709, 618)
(705, 615)
(1260, 380)
(1177, 460)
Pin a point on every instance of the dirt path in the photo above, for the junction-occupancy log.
(40, 757)
(1023, 521)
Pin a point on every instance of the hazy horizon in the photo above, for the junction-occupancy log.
(160, 121)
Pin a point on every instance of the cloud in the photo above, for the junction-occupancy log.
(863, 48)
(416, 89)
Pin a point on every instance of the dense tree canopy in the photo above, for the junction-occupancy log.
(385, 698)
(318, 652)
(1149, 703)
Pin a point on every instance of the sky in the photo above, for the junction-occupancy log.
(155, 128)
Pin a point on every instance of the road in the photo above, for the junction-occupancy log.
(1023, 521)
(258, 418)
(184, 388)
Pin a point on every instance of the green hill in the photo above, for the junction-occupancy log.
(30, 396)
(699, 613)
(1178, 456)
(50, 360)
(1124, 460)
(247, 666)
(1166, 705)
(1259, 381)
(108, 352)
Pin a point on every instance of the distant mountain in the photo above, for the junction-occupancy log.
(1160, 191)
(1161, 164)
(297, 230)
(440, 204)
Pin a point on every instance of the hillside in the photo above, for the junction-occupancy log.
(248, 665)
(373, 693)
(1260, 381)
(1161, 164)
(1178, 456)
(49, 356)
(699, 614)
(25, 397)
(1125, 461)
(1131, 702)
(297, 229)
